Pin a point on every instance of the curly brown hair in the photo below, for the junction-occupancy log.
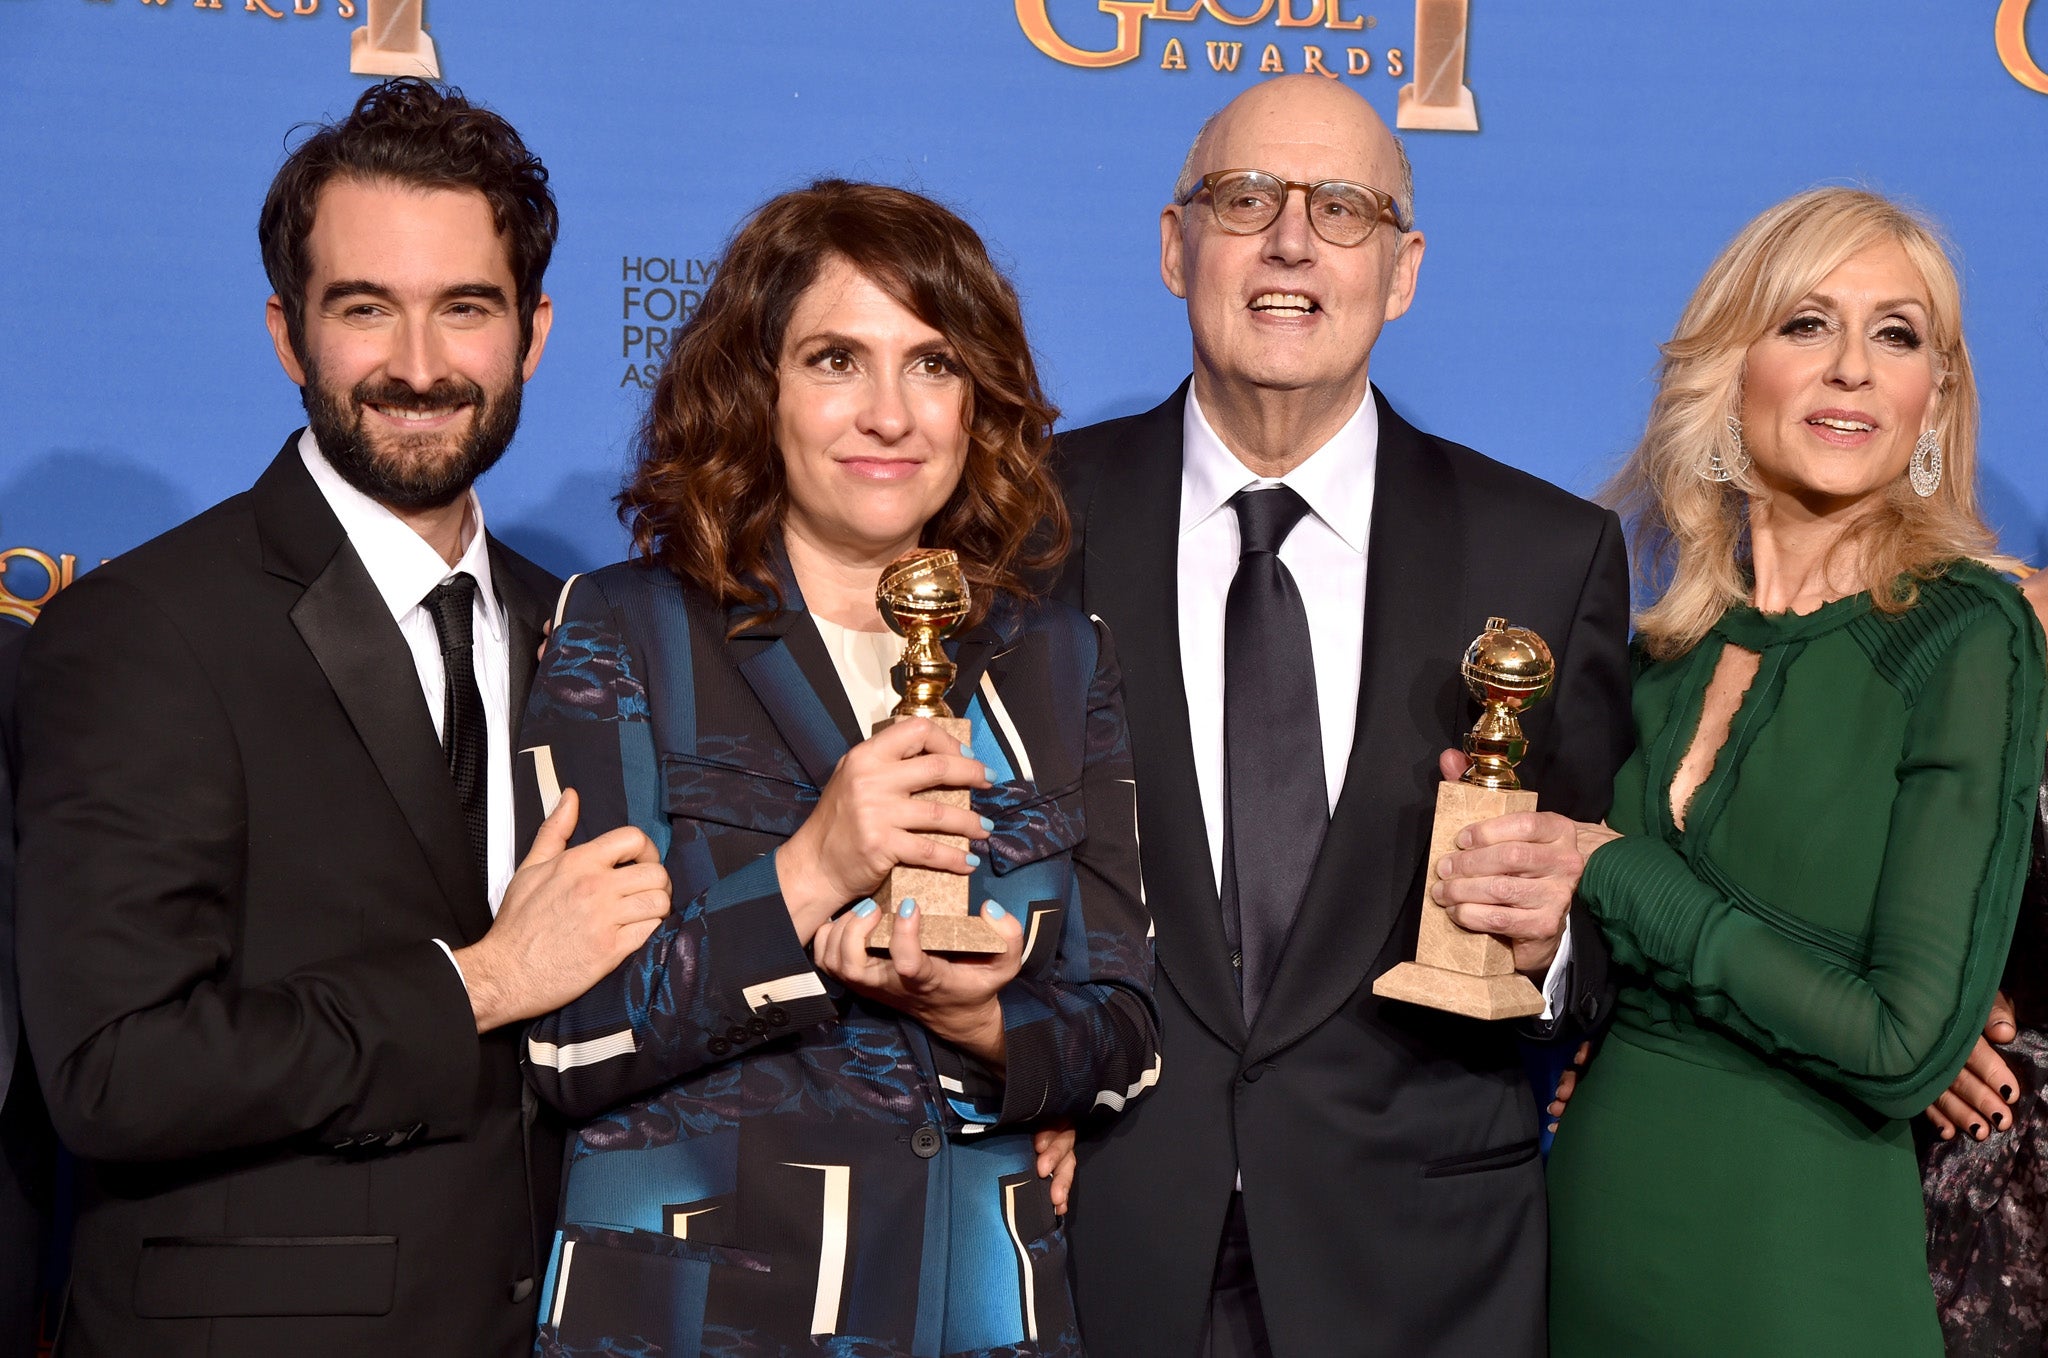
(709, 494)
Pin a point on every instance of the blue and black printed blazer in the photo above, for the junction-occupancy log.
(766, 1159)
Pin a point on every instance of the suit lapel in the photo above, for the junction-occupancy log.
(1131, 551)
(1414, 638)
(350, 633)
(526, 624)
(784, 662)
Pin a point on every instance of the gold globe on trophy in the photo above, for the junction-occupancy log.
(923, 596)
(1507, 669)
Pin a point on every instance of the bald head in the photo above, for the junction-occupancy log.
(1296, 109)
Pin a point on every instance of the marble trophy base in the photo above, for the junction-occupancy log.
(1455, 970)
(1460, 115)
(419, 58)
(943, 921)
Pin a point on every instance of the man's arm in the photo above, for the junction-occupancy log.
(132, 888)
(1591, 734)
(134, 905)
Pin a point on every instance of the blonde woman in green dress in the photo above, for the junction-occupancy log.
(1810, 874)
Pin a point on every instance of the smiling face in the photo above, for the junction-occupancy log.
(412, 367)
(870, 420)
(1836, 394)
(1283, 309)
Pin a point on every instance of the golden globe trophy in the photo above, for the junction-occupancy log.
(393, 41)
(923, 596)
(1438, 98)
(1507, 669)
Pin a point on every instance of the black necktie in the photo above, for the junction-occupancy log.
(1272, 740)
(463, 731)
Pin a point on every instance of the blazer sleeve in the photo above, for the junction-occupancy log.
(1891, 1030)
(133, 824)
(725, 972)
(1591, 734)
(1086, 1036)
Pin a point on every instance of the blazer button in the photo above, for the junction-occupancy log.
(1252, 1074)
(776, 1015)
(521, 1290)
(718, 1046)
(758, 1027)
(925, 1141)
(736, 1034)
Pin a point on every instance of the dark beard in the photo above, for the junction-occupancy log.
(406, 475)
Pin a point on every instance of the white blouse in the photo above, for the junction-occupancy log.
(863, 661)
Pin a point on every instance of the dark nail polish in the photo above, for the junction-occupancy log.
(1998, 1119)
(1977, 1130)
(2005, 1092)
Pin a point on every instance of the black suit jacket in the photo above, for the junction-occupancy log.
(1388, 1153)
(27, 1148)
(239, 840)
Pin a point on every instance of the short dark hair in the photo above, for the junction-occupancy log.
(412, 132)
(709, 494)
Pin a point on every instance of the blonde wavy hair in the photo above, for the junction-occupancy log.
(1688, 536)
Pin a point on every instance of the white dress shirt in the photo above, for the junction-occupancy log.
(1326, 556)
(405, 570)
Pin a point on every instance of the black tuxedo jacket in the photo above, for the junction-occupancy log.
(239, 840)
(1389, 1154)
(27, 1148)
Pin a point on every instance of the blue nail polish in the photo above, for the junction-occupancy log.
(974, 860)
(864, 909)
(987, 825)
(909, 904)
(993, 910)
(967, 750)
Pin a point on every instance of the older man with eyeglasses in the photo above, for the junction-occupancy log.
(1292, 572)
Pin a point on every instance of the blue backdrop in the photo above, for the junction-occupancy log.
(1618, 147)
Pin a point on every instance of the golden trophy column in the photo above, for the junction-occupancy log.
(1507, 669)
(393, 41)
(923, 596)
(1438, 98)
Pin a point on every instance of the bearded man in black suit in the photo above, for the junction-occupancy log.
(273, 944)
(1292, 573)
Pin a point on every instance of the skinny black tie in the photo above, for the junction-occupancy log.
(463, 730)
(1272, 740)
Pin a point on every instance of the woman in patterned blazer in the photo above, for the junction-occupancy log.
(788, 1144)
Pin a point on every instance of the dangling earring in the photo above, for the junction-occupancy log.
(1717, 468)
(1924, 471)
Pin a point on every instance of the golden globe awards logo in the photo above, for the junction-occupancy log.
(2010, 34)
(1436, 97)
(392, 39)
(269, 9)
(30, 578)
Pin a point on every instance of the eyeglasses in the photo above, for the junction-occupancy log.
(1246, 202)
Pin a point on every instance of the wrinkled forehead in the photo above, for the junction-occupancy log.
(1304, 145)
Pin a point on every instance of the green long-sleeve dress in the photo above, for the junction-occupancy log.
(1803, 967)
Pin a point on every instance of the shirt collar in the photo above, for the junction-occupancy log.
(401, 564)
(1336, 479)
